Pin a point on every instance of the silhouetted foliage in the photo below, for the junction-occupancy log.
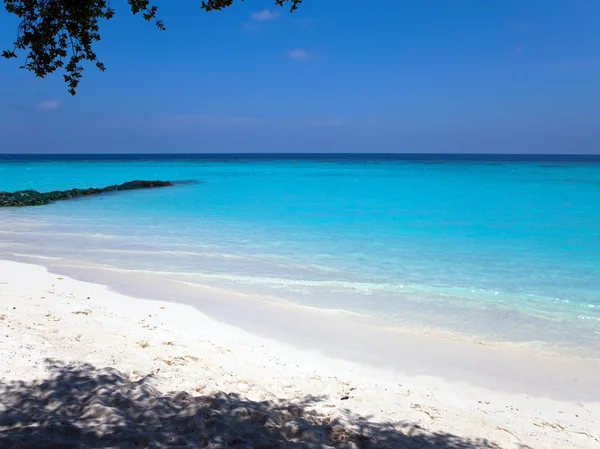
(80, 406)
(58, 34)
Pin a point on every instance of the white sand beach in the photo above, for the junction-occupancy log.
(83, 366)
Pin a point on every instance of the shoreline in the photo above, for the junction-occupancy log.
(185, 349)
(507, 368)
(556, 330)
(554, 338)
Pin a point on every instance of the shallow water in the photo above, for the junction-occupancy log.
(499, 249)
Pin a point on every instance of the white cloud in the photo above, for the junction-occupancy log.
(299, 54)
(49, 105)
(264, 15)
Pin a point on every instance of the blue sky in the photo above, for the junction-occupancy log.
(491, 76)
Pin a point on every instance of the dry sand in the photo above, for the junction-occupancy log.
(59, 335)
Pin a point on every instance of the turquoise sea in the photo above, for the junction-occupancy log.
(500, 249)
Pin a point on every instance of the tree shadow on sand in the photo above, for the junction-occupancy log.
(81, 406)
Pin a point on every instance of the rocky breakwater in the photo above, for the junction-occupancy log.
(35, 198)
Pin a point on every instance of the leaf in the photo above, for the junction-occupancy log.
(60, 34)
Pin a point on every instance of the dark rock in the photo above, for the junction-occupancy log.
(35, 198)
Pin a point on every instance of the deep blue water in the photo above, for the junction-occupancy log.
(313, 157)
(495, 247)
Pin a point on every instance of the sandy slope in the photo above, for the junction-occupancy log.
(67, 332)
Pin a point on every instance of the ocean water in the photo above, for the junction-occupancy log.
(500, 249)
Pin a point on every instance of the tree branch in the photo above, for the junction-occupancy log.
(51, 31)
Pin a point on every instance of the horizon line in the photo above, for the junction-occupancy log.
(299, 154)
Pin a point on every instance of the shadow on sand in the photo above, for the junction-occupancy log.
(81, 406)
